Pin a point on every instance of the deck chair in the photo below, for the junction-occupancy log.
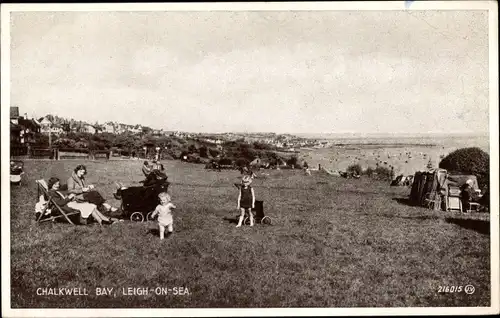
(432, 201)
(472, 207)
(454, 202)
(54, 210)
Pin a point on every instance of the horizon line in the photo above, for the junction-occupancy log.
(342, 134)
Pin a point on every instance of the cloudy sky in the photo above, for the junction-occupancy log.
(289, 71)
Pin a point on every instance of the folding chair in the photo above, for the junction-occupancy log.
(473, 207)
(43, 189)
(454, 201)
(432, 201)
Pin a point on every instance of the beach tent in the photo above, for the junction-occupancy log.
(256, 162)
(434, 186)
(428, 185)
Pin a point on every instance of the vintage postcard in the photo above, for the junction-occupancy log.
(250, 159)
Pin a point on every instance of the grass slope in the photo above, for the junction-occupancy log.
(334, 243)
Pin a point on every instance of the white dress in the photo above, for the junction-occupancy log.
(165, 214)
(85, 208)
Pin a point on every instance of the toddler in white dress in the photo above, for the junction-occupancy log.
(164, 212)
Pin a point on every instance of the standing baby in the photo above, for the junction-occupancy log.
(164, 212)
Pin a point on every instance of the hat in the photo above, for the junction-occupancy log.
(246, 180)
(470, 182)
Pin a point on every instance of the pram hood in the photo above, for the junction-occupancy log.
(16, 167)
(143, 198)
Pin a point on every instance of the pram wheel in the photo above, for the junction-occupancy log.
(149, 217)
(137, 217)
(246, 220)
(266, 220)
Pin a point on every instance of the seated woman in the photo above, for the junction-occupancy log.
(86, 209)
(146, 168)
(154, 173)
(83, 192)
(156, 177)
(485, 200)
(468, 194)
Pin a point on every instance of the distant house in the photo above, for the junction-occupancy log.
(22, 129)
(120, 129)
(57, 130)
(109, 128)
(89, 129)
(213, 141)
(158, 132)
(135, 129)
(45, 125)
(14, 115)
(15, 134)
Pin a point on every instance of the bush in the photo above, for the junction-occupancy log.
(355, 169)
(369, 171)
(383, 173)
(203, 152)
(183, 154)
(262, 146)
(470, 161)
(192, 149)
(225, 162)
(242, 162)
(293, 161)
(213, 152)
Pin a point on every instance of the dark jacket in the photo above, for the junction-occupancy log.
(468, 194)
(146, 170)
(59, 198)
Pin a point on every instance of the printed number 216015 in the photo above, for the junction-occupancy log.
(450, 289)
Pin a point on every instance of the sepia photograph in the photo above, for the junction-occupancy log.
(239, 159)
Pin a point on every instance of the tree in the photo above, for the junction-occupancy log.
(203, 152)
(355, 169)
(66, 127)
(292, 161)
(214, 152)
(242, 162)
(225, 161)
(192, 148)
(261, 146)
(248, 153)
(471, 160)
(146, 130)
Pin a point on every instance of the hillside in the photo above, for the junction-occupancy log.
(333, 243)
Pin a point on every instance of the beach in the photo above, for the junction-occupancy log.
(406, 154)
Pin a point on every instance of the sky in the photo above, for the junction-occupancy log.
(256, 71)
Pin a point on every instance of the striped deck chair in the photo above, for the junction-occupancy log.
(52, 210)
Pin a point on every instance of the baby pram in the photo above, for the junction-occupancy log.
(258, 212)
(259, 216)
(16, 171)
(139, 202)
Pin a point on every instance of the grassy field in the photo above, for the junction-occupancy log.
(334, 243)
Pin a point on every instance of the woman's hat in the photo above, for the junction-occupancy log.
(470, 182)
(246, 180)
